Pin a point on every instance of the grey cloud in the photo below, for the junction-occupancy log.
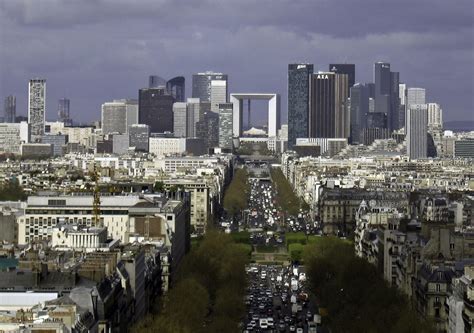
(96, 50)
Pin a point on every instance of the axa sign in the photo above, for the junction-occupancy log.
(322, 76)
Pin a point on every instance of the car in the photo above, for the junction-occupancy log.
(292, 328)
(299, 330)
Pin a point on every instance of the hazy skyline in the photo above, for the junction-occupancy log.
(94, 51)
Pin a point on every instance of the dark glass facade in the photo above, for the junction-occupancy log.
(376, 120)
(10, 109)
(386, 94)
(329, 115)
(63, 111)
(155, 81)
(348, 69)
(155, 109)
(176, 88)
(359, 106)
(207, 128)
(298, 101)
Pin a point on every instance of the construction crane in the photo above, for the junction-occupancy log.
(96, 201)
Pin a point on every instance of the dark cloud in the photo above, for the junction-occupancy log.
(94, 50)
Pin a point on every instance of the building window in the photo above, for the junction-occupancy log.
(438, 288)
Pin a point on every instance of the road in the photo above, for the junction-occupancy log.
(277, 300)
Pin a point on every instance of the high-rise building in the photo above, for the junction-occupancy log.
(329, 116)
(298, 101)
(187, 115)
(202, 85)
(207, 128)
(118, 115)
(36, 108)
(10, 109)
(63, 111)
(218, 94)
(393, 118)
(138, 136)
(435, 116)
(155, 109)
(417, 131)
(180, 119)
(416, 96)
(387, 93)
(225, 126)
(348, 69)
(359, 107)
(195, 111)
(402, 94)
(376, 120)
(176, 88)
(155, 81)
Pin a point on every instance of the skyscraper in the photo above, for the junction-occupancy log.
(416, 96)
(63, 111)
(218, 94)
(155, 109)
(417, 131)
(155, 81)
(180, 118)
(118, 115)
(298, 101)
(393, 118)
(202, 85)
(10, 109)
(225, 126)
(402, 94)
(36, 108)
(359, 107)
(195, 111)
(329, 116)
(207, 128)
(176, 88)
(387, 94)
(348, 69)
(435, 116)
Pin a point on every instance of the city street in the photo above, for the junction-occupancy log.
(277, 301)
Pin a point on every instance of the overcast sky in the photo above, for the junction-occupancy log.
(92, 51)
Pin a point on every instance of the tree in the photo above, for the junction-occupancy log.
(208, 295)
(12, 191)
(236, 195)
(286, 198)
(352, 291)
(159, 186)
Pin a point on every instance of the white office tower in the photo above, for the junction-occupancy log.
(402, 93)
(417, 129)
(435, 116)
(180, 119)
(36, 108)
(118, 115)
(416, 96)
(193, 116)
(218, 94)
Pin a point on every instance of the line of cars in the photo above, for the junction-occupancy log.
(277, 302)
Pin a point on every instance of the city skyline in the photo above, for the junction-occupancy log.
(119, 67)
